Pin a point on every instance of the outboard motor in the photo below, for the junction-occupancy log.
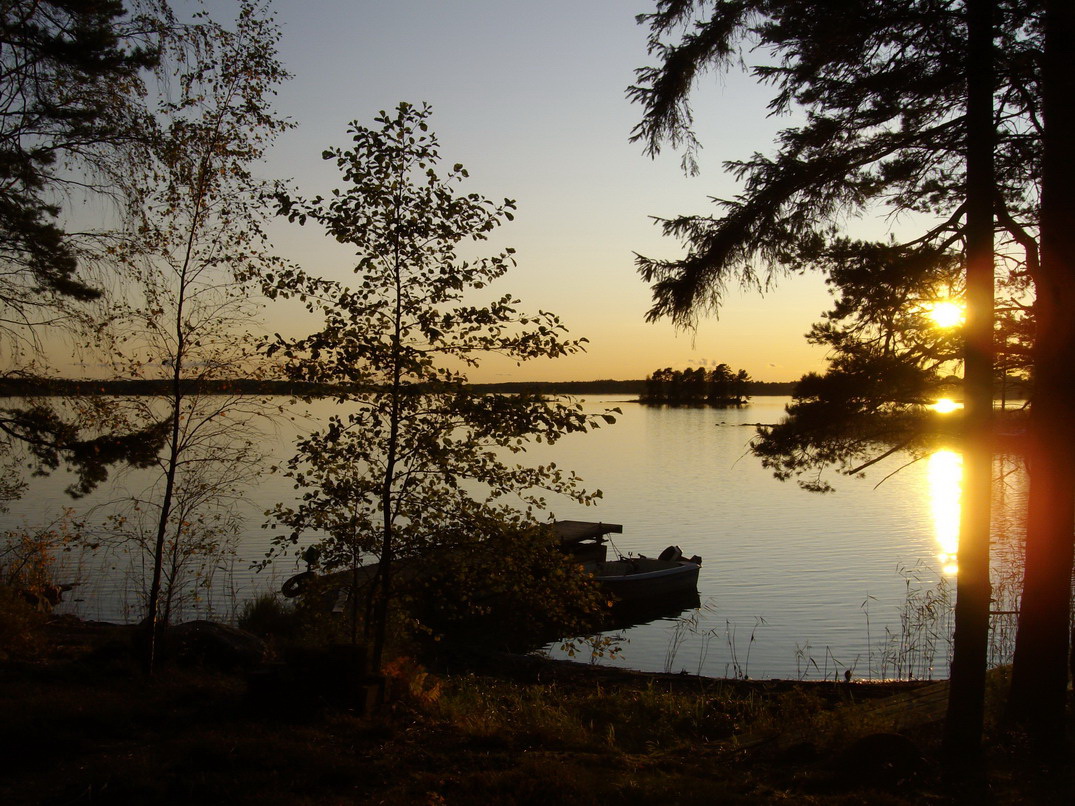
(670, 554)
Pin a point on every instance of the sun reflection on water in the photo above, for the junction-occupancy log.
(946, 405)
(945, 471)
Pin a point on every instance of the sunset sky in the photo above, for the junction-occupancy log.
(530, 97)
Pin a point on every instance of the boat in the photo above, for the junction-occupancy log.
(628, 579)
(635, 579)
(658, 581)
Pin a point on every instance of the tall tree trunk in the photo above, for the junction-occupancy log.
(176, 394)
(1040, 674)
(963, 726)
(153, 620)
(395, 416)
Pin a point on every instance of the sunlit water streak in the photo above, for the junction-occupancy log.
(793, 583)
(945, 490)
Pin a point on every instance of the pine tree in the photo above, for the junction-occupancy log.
(884, 89)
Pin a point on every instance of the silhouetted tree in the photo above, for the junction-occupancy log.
(71, 119)
(739, 386)
(966, 691)
(885, 90)
(385, 478)
(653, 391)
(720, 380)
(887, 362)
(188, 266)
(70, 108)
(1039, 674)
(694, 385)
(718, 387)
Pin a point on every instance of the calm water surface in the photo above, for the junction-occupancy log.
(793, 584)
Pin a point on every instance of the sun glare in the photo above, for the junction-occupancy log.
(945, 489)
(945, 313)
(945, 406)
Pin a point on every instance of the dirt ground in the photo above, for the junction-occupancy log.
(80, 724)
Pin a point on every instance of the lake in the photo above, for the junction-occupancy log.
(793, 584)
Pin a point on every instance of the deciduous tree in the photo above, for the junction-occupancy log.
(413, 464)
(187, 287)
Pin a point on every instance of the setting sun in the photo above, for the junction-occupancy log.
(945, 313)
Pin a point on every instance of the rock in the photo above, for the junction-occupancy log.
(211, 644)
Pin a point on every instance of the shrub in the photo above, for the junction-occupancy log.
(269, 617)
(20, 625)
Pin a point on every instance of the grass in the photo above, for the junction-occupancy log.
(83, 726)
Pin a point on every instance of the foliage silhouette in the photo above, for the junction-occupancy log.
(186, 266)
(884, 89)
(415, 465)
(719, 387)
(69, 98)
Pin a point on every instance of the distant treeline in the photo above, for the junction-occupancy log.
(752, 388)
(720, 386)
(26, 387)
(604, 387)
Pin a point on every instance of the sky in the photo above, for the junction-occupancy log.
(530, 97)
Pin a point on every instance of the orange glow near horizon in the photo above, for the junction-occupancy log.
(946, 313)
(945, 475)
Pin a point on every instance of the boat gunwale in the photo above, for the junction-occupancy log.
(680, 567)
